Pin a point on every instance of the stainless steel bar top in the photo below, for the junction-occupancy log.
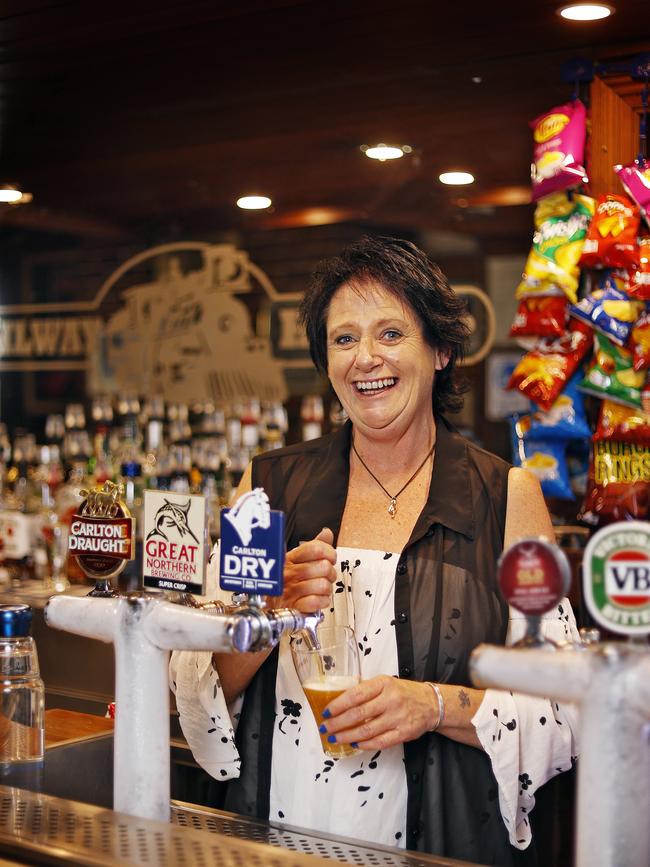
(40, 829)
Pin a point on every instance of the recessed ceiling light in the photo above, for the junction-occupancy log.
(10, 195)
(383, 152)
(456, 179)
(586, 11)
(254, 203)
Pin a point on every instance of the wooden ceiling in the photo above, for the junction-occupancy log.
(124, 119)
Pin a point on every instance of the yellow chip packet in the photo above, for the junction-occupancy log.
(561, 224)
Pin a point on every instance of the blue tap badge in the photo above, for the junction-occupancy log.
(252, 546)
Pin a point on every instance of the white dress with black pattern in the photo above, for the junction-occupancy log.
(361, 795)
(529, 740)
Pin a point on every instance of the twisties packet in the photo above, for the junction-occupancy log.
(540, 316)
(559, 149)
(638, 285)
(640, 341)
(612, 376)
(544, 371)
(561, 224)
(622, 423)
(611, 239)
(608, 309)
(635, 177)
(565, 420)
(545, 458)
(618, 488)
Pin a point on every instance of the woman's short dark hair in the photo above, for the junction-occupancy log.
(403, 269)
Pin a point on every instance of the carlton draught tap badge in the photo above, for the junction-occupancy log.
(101, 534)
(252, 546)
(174, 546)
(616, 577)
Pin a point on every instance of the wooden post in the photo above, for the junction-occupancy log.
(614, 131)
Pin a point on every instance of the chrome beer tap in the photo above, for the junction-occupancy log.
(144, 627)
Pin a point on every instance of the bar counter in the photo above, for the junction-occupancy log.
(60, 812)
(37, 827)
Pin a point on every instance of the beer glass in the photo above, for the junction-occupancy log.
(327, 671)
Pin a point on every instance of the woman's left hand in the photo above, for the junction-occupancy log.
(381, 712)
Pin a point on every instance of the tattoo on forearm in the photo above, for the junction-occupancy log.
(463, 698)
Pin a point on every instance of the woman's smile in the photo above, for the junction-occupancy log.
(374, 387)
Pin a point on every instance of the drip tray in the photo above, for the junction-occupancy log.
(39, 829)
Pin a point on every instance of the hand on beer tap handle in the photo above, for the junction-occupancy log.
(309, 574)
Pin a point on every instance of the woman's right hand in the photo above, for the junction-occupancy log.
(309, 574)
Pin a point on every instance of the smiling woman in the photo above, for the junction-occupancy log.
(405, 521)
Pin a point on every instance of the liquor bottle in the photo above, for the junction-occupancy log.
(311, 415)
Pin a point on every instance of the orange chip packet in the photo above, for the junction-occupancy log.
(622, 423)
(638, 284)
(611, 239)
(640, 341)
(544, 371)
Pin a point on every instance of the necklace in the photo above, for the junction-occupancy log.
(392, 506)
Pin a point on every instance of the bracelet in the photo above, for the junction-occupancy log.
(441, 705)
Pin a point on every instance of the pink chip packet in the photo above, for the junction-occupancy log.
(559, 149)
(635, 177)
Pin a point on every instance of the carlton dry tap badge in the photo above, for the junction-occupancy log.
(173, 539)
(252, 546)
(616, 576)
(101, 534)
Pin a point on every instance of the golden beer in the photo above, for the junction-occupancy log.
(319, 693)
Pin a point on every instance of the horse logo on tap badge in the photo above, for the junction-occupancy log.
(252, 546)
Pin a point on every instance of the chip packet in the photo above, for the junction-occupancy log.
(559, 149)
(638, 284)
(561, 224)
(611, 239)
(618, 488)
(545, 458)
(635, 177)
(609, 310)
(540, 316)
(622, 423)
(544, 371)
(612, 375)
(565, 420)
(640, 341)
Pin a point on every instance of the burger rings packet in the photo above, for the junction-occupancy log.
(618, 488)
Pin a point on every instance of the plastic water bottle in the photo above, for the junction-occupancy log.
(22, 696)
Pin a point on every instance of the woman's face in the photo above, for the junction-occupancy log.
(379, 363)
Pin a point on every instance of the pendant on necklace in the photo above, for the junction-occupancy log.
(392, 507)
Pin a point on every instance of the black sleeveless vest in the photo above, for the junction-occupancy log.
(446, 602)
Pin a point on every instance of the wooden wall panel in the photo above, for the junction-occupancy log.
(614, 137)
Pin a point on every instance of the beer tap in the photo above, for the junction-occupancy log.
(144, 627)
(259, 627)
(611, 683)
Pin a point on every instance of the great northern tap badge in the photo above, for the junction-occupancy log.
(252, 546)
(616, 577)
(174, 541)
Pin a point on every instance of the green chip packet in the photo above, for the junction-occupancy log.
(612, 375)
